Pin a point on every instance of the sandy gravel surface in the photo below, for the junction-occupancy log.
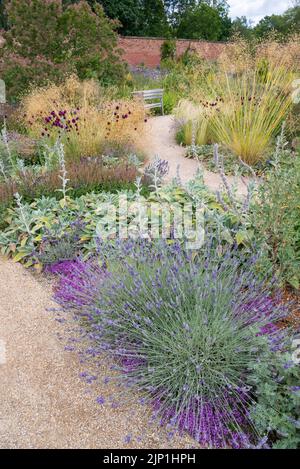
(44, 402)
(160, 140)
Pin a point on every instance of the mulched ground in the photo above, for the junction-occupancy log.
(292, 298)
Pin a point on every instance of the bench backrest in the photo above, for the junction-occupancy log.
(150, 94)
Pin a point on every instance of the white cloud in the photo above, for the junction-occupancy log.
(257, 9)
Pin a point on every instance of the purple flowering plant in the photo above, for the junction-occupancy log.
(186, 332)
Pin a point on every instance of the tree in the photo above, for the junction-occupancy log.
(200, 22)
(77, 39)
(242, 26)
(154, 19)
(283, 25)
(127, 12)
(138, 17)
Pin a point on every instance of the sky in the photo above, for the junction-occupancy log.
(257, 9)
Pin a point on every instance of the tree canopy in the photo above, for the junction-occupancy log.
(77, 39)
(192, 19)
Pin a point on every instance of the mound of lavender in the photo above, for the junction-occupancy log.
(186, 332)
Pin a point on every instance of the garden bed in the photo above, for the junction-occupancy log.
(178, 284)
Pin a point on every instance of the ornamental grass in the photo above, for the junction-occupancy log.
(82, 115)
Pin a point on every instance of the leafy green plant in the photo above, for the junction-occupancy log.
(276, 214)
(232, 166)
(43, 213)
(59, 245)
(277, 410)
(168, 49)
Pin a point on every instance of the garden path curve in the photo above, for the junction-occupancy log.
(160, 140)
(44, 403)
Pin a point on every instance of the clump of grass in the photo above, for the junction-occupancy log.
(194, 123)
(185, 332)
(251, 111)
(241, 55)
(82, 115)
(243, 101)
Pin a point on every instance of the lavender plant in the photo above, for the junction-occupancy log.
(61, 246)
(185, 332)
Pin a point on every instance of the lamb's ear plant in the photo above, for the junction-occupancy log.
(3, 171)
(234, 202)
(7, 156)
(23, 214)
(50, 156)
(63, 175)
(6, 144)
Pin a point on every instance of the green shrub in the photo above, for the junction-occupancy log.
(276, 412)
(276, 215)
(168, 49)
(170, 101)
(78, 39)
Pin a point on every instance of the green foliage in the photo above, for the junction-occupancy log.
(283, 25)
(200, 22)
(168, 49)
(232, 166)
(78, 39)
(277, 410)
(138, 17)
(42, 214)
(242, 26)
(276, 215)
(60, 245)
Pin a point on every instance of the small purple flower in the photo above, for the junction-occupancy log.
(127, 439)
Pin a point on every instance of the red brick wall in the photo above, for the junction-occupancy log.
(137, 50)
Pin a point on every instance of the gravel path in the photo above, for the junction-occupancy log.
(44, 403)
(160, 140)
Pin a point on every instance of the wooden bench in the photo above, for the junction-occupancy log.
(157, 96)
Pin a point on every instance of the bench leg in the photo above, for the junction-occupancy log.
(162, 106)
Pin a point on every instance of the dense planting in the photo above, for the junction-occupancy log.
(243, 102)
(182, 289)
(187, 334)
(83, 115)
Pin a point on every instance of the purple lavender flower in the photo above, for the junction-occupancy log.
(159, 314)
(100, 400)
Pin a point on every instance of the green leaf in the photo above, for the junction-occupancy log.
(19, 256)
(240, 237)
